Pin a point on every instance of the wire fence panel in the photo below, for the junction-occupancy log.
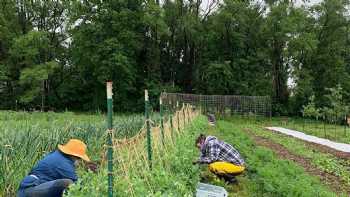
(222, 104)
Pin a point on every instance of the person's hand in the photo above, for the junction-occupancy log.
(91, 166)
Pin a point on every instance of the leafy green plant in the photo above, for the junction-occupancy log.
(337, 108)
(310, 109)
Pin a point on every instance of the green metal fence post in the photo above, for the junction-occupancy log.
(161, 119)
(149, 144)
(109, 140)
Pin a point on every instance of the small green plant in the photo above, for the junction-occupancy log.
(337, 108)
(310, 110)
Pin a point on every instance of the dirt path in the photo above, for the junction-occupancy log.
(334, 182)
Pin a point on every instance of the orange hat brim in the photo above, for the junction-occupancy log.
(70, 152)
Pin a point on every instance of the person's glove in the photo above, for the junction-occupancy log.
(91, 166)
(195, 162)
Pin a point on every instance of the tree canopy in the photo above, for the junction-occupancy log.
(57, 54)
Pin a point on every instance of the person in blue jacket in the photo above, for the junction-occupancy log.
(55, 172)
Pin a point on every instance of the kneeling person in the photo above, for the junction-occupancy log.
(223, 160)
(55, 172)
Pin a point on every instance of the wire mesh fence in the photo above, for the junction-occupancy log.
(222, 104)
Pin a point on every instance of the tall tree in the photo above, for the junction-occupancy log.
(236, 39)
(328, 61)
(106, 41)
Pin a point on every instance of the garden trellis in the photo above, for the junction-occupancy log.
(233, 104)
(132, 154)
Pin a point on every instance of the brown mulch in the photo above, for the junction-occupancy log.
(319, 147)
(334, 182)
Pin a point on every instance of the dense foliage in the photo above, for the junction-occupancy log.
(58, 54)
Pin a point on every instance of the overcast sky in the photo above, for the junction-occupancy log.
(311, 2)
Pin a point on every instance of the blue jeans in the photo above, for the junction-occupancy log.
(49, 189)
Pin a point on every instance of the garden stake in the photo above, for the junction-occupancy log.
(110, 132)
(324, 127)
(303, 123)
(177, 116)
(149, 145)
(161, 119)
(171, 120)
(345, 124)
(183, 112)
(188, 113)
(335, 126)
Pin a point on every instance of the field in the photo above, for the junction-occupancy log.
(277, 165)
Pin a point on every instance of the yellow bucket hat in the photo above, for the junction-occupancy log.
(76, 148)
